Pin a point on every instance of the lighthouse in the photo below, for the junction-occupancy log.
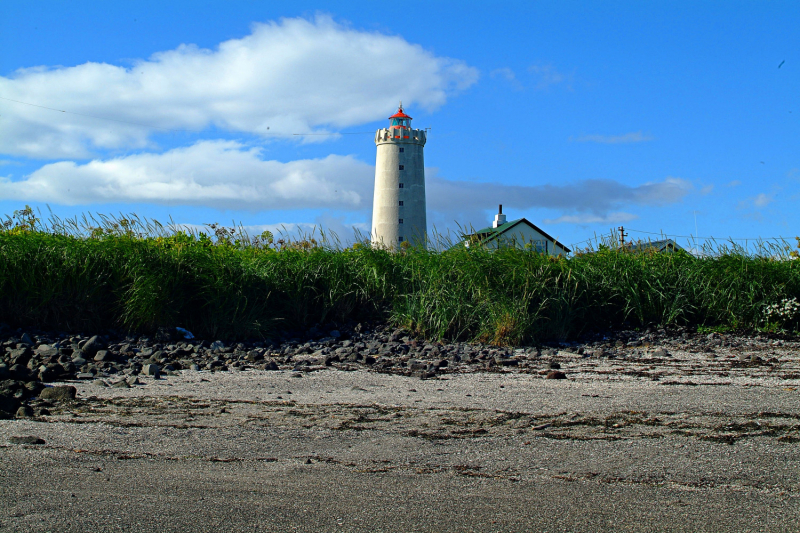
(398, 208)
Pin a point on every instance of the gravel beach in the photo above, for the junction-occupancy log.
(645, 432)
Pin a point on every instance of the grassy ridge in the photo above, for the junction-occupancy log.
(228, 286)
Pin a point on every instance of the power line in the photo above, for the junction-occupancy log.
(339, 133)
(92, 116)
(696, 237)
(168, 129)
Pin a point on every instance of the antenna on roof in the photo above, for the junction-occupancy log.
(500, 210)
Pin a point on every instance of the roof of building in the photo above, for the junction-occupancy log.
(400, 113)
(490, 233)
(659, 245)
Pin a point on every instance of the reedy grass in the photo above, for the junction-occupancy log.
(134, 274)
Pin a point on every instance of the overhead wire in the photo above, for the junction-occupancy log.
(168, 129)
(697, 237)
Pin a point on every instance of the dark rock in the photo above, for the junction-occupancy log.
(659, 352)
(20, 355)
(369, 360)
(46, 351)
(254, 356)
(25, 411)
(151, 370)
(26, 339)
(555, 374)
(93, 345)
(22, 373)
(47, 375)
(272, 365)
(554, 366)
(59, 393)
(104, 355)
(29, 439)
(9, 404)
(167, 335)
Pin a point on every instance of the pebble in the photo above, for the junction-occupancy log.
(28, 439)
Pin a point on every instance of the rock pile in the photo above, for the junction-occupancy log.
(28, 360)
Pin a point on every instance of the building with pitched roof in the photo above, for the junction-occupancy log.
(520, 233)
(660, 246)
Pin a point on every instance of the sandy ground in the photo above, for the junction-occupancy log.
(688, 443)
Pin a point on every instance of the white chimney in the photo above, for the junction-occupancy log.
(499, 218)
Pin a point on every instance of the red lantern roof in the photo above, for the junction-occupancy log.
(400, 113)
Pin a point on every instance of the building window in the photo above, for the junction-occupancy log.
(401, 185)
(400, 239)
(401, 151)
(401, 221)
(401, 203)
(401, 167)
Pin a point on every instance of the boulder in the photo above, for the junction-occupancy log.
(93, 345)
(59, 393)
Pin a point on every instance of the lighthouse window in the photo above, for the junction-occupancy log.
(401, 185)
(402, 149)
(401, 167)
(401, 203)
(401, 221)
(400, 239)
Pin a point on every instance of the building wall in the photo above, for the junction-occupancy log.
(386, 208)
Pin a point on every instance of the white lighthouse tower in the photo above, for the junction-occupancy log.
(398, 209)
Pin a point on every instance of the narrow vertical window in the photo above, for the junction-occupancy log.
(400, 239)
(401, 167)
(401, 151)
(401, 203)
(401, 185)
(401, 221)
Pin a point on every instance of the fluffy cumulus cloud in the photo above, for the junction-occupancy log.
(290, 76)
(220, 174)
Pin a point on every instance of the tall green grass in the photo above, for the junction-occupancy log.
(132, 274)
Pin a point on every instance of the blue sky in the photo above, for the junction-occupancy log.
(580, 116)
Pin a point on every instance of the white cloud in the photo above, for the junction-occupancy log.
(505, 73)
(548, 76)
(762, 200)
(232, 175)
(582, 202)
(220, 174)
(734, 183)
(585, 218)
(633, 137)
(590, 196)
(290, 76)
(508, 75)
